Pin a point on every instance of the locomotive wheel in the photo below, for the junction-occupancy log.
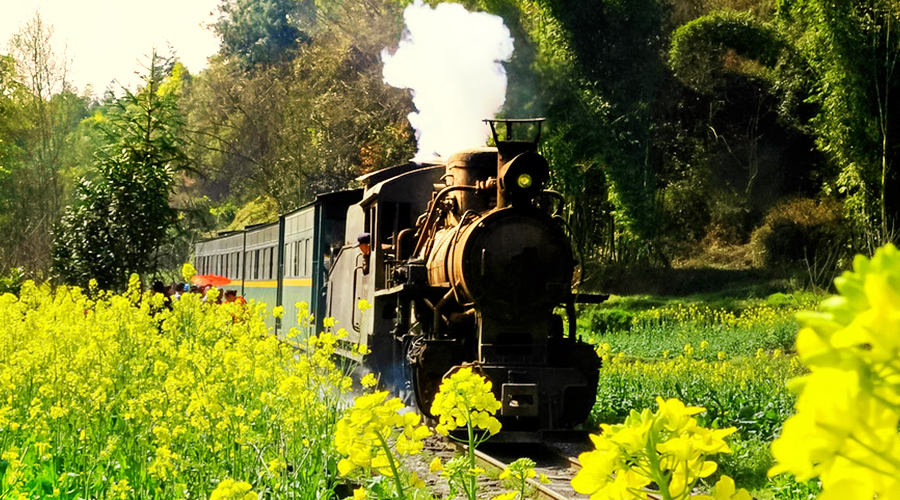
(411, 392)
(407, 391)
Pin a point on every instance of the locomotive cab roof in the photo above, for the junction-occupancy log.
(378, 176)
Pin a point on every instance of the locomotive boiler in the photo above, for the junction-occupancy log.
(466, 264)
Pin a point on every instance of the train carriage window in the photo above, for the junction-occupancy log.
(307, 256)
(287, 271)
(271, 262)
(256, 265)
(262, 264)
(296, 259)
(227, 268)
(301, 257)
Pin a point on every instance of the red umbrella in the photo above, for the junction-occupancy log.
(209, 279)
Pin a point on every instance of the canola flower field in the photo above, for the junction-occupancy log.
(121, 396)
(712, 359)
(814, 413)
(116, 396)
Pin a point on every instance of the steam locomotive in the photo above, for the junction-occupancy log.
(464, 263)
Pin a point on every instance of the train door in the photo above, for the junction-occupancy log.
(348, 278)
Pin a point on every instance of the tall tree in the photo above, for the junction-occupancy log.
(50, 110)
(118, 222)
(306, 126)
(852, 49)
(263, 32)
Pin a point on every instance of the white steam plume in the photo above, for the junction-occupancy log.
(450, 59)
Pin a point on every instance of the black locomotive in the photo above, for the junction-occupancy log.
(465, 265)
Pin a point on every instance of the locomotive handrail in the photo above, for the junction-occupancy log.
(431, 219)
(359, 267)
(557, 195)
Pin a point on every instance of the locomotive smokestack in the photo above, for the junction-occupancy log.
(521, 171)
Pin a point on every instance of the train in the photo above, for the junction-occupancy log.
(464, 261)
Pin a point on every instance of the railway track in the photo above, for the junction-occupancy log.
(556, 461)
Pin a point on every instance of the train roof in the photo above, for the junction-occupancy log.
(377, 176)
(343, 196)
(346, 196)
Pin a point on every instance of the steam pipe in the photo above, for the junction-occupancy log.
(432, 213)
(437, 309)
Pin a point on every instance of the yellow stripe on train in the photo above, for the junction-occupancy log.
(261, 284)
(298, 282)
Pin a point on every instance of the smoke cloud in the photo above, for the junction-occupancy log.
(450, 59)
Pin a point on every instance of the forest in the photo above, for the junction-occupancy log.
(734, 134)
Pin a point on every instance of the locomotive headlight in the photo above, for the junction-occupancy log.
(523, 177)
(524, 181)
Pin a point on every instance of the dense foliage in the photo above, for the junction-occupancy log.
(674, 128)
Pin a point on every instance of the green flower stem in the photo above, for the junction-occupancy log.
(862, 463)
(862, 444)
(471, 451)
(655, 470)
(878, 453)
(892, 406)
(390, 457)
(687, 487)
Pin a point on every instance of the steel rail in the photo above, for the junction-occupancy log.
(541, 490)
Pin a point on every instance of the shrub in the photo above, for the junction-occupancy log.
(798, 231)
(609, 320)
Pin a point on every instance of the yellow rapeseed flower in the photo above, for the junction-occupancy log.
(465, 398)
(229, 489)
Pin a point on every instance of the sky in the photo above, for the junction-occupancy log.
(108, 39)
